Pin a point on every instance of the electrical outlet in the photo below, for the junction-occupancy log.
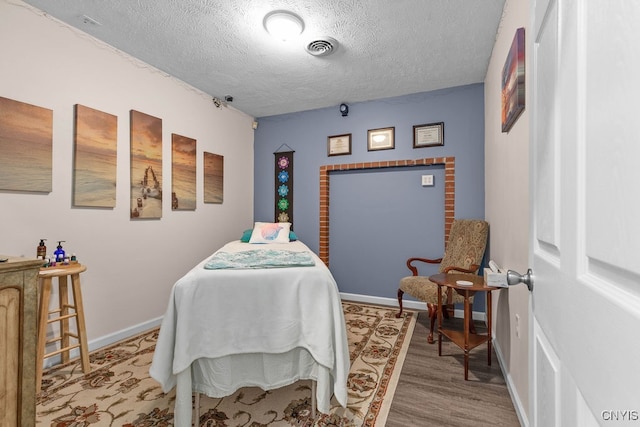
(427, 180)
(517, 326)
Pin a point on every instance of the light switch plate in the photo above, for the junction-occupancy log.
(427, 180)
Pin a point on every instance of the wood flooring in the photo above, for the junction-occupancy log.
(432, 390)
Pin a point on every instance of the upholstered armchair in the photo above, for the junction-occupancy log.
(463, 254)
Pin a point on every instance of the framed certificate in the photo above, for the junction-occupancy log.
(338, 145)
(381, 139)
(429, 135)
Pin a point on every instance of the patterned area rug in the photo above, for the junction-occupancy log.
(119, 391)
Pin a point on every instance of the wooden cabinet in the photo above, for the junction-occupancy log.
(18, 332)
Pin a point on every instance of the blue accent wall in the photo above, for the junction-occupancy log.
(378, 217)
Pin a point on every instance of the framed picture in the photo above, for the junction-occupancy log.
(338, 145)
(513, 82)
(381, 139)
(429, 135)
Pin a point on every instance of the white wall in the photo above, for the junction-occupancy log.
(507, 208)
(132, 264)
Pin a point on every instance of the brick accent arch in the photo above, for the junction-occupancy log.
(325, 173)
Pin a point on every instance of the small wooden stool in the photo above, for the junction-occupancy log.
(64, 312)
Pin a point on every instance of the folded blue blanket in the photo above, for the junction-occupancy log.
(259, 258)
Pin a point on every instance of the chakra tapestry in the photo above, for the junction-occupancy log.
(284, 187)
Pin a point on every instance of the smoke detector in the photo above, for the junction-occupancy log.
(322, 47)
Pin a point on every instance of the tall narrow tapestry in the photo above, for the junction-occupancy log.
(284, 187)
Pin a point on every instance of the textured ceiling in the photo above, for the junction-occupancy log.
(386, 48)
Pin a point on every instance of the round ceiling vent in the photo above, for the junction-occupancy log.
(322, 47)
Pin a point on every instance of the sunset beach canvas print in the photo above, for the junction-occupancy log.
(513, 83)
(183, 173)
(95, 171)
(213, 178)
(26, 146)
(146, 166)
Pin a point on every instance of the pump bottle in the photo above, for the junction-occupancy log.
(59, 252)
(42, 250)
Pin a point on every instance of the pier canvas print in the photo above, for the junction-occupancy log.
(146, 166)
(213, 178)
(94, 163)
(183, 173)
(26, 145)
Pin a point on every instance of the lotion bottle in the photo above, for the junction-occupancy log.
(42, 249)
(59, 252)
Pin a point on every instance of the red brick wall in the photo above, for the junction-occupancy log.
(325, 175)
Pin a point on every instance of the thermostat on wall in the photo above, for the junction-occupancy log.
(427, 180)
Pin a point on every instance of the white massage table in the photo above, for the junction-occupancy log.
(269, 327)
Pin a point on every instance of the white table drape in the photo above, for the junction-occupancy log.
(227, 329)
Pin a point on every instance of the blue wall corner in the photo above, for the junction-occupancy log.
(378, 218)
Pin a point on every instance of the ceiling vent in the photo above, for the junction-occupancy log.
(322, 47)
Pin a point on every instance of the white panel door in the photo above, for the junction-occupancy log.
(585, 219)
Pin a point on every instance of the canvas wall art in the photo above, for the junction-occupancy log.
(213, 178)
(95, 158)
(26, 146)
(183, 173)
(146, 166)
(513, 89)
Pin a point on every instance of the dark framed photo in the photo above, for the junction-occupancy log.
(381, 139)
(339, 145)
(428, 135)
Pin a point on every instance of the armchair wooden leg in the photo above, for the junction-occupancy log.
(400, 294)
(432, 310)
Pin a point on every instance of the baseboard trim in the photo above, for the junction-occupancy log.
(108, 340)
(124, 333)
(515, 397)
(409, 304)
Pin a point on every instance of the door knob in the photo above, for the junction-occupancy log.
(513, 278)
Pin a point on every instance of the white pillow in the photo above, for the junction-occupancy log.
(270, 232)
